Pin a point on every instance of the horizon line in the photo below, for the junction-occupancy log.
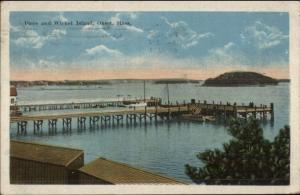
(137, 74)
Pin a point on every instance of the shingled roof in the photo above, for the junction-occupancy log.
(120, 173)
(13, 91)
(43, 153)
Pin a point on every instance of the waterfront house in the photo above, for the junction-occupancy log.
(13, 95)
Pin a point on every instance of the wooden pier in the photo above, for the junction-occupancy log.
(132, 116)
(232, 110)
(111, 117)
(83, 105)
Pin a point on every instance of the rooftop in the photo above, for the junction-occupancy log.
(43, 153)
(13, 91)
(120, 173)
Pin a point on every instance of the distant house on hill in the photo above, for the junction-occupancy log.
(13, 95)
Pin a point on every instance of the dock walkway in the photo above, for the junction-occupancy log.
(82, 105)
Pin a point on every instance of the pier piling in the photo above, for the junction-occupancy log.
(81, 122)
(52, 125)
(67, 124)
(272, 111)
(37, 125)
(22, 125)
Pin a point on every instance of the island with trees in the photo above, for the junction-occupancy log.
(240, 78)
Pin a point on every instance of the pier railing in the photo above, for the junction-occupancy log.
(82, 105)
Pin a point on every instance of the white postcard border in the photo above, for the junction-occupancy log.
(294, 11)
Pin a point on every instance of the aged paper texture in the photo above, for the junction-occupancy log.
(150, 97)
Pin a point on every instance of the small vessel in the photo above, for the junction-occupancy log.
(137, 103)
(142, 104)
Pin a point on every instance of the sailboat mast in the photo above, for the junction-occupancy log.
(144, 91)
(168, 94)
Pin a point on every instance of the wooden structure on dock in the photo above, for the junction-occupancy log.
(104, 171)
(231, 110)
(33, 163)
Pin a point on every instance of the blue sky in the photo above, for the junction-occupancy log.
(202, 41)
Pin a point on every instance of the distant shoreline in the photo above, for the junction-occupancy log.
(68, 83)
(97, 82)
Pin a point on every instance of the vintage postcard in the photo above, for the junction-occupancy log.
(149, 97)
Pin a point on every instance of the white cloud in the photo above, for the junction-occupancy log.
(133, 29)
(40, 64)
(102, 50)
(222, 51)
(152, 34)
(57, 34)
(90, 28)
(133, 15)
(110, 59)
(263, 36)
(98, 30)
(62, 18)
(127, 17)
(124, 16)
(49, 64)
(31, 38)
(110, 31)
(181, 34)
(229, 54)
(229, 45)
(15, 28)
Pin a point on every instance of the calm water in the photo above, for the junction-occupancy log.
(164, 147)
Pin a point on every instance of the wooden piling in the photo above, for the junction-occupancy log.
(272, 111)
(67, 123)
(22, 126)
(37, 125)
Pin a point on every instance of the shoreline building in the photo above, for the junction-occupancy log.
(34, 163)
(14, 109)
(13, 95)
(106, 171)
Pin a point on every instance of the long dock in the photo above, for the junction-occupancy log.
(98, 117)
(93, 114)
(218, 110)
(82, 105)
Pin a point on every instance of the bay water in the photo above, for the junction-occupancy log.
(163, 147)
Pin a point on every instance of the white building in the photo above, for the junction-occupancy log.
(13, 96)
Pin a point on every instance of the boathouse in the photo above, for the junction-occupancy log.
(104, 171)
(33, 163)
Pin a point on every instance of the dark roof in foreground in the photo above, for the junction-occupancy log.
(120, 173)
(43, 153)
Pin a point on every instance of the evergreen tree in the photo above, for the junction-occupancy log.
(248, 159)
